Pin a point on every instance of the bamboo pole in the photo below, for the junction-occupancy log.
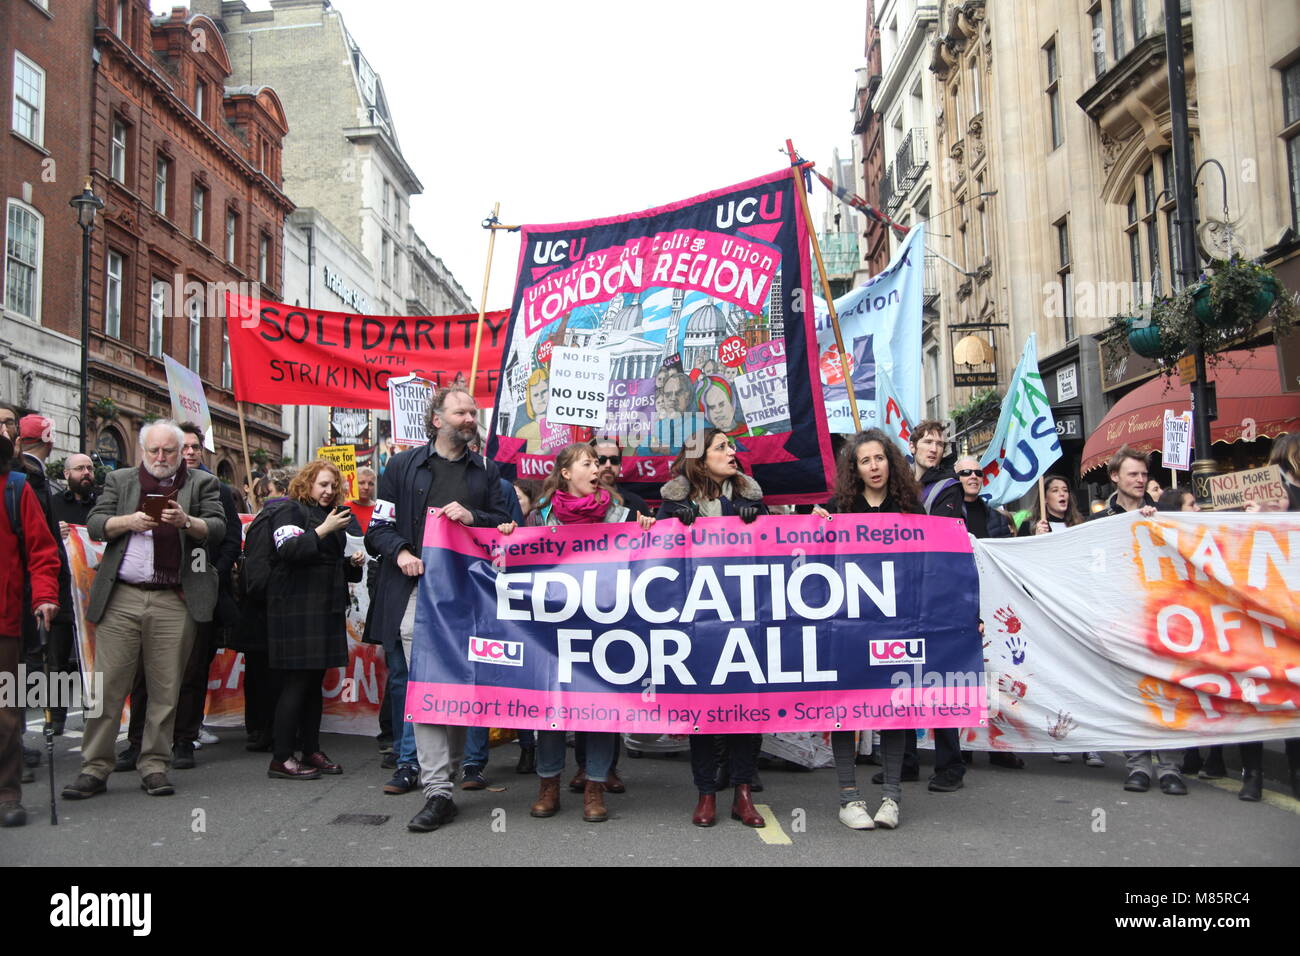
(1042, 499)
(243, 440)
(491, 226)
(795, 167)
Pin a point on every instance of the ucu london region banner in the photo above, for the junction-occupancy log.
(786, 624)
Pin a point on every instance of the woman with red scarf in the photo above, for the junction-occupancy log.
(572, 494)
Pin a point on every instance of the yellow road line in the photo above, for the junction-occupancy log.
(772, 834)
(1271, 797)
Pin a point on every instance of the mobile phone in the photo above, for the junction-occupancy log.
(342, 510)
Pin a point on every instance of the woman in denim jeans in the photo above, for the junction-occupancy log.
(572, 494)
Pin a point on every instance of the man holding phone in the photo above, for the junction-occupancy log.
(154, 584)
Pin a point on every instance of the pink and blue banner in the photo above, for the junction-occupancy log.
(702, 310)
(786, 624)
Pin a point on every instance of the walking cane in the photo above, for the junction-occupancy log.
(47, 648)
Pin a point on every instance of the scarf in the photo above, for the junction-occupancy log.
(570, 509)
(712, 507)
(166, 539)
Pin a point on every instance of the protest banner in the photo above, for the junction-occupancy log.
(787, 624)
(408, 398)
(1176, 452)
(1133, 633)
(352, 694)
(283, 354)
(345, 457)
(579, 387)
(1025, 442)
(880, 323)
(890, 413)
(189, 401)
(1262, 486)
(678, 297)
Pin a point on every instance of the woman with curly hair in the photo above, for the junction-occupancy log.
(711, 485)
(572, 494)
(307, 601)
(871, 477)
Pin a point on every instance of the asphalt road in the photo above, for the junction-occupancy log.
(226, 812)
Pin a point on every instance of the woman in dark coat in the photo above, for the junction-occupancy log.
(871, 477)
(307, 601)
(711, 485)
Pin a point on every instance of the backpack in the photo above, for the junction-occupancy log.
(932, 492)
(255, 565)
(13, 507)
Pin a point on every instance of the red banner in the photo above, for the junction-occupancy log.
(285, 355)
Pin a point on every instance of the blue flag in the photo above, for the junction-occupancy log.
(1025, 442)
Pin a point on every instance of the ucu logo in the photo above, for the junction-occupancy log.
(484, 651)
(557, 250)
(767, 206)
(897, 652)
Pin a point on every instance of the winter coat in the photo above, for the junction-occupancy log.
(746, 493)
(948, 503)
(41, 562)
(307, 596)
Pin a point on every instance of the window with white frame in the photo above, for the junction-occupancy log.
(1063, 272)
(232, 233)
(264, 259)
(198, 206)
(121, 17)
(29, 99)
(162, 170)
(195, 309)
(1150, 211)
(117, 151)
(199, 88)
(158, 295)
(383, 258)
(113, 294)
(1097, 40)
(23, 260)
(226, 374)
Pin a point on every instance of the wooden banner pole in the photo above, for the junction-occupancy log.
(490, 225)
(795, 167)
(243, 440)
(1042, 499)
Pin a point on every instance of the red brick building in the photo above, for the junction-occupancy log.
(189, 168)
(45, 80)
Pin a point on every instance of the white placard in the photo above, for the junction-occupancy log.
(579, 387)
(407, 399)
(1177, 449)
(764, 398)
(1067, 383)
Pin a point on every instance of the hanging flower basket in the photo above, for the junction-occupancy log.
(1238, 294)
(1201, 306)
(1144, 339)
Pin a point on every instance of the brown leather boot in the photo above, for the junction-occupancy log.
(742, 808)
(613, 784)
(548, 798)
(706, 811)
(579, 782)
(593, 803)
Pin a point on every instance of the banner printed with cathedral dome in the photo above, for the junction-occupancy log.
(701, 308)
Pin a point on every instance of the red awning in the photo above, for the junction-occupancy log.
(1248, 389)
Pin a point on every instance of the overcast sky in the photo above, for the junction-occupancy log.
(577, 109)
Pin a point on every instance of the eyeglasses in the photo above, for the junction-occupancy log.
(969, 473)
(609, 459)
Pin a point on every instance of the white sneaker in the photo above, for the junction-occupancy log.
(1093, 759)
(855, 816)
(1061, 758)
(208, 737)
(887, 815)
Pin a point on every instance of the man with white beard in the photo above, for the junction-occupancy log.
(154, 583)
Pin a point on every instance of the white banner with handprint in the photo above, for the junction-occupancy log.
(1140, 633)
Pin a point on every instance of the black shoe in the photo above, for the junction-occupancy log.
(437, 811)
(1138, 782)
(1252, 786)
(183, 755)
(1214, 768)
(12, 815)
(404, 781)
(1173, 785)
(388, 762)
(1006, 761)
(908, 776)
(127, 758)
(945, 782)
(1192, 763)
(260, 743)
(527, 761)
(84, 787)
(862, 759)
(157, 785)
(471, 778)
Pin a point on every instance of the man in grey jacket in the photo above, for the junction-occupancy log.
(153, 584)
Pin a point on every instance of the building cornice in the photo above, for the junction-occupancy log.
(909, 51)
(378, 136)
(1146, 61)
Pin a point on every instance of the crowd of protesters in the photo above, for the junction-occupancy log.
(175, 584)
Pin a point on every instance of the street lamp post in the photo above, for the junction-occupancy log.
(86, 204)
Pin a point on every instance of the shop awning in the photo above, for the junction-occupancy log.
(1248, 388)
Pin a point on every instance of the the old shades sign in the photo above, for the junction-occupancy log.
(286, 355)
